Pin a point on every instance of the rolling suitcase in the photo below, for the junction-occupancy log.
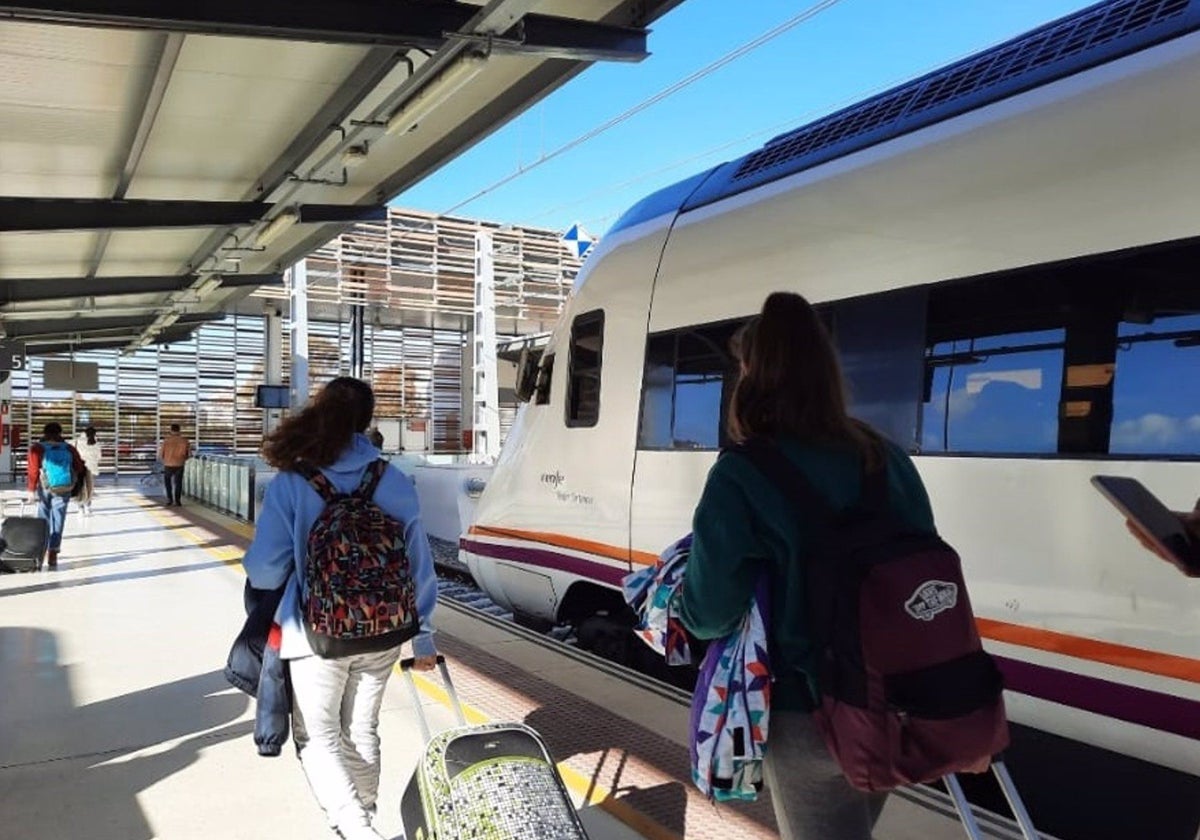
(491, 782)
(970, 825)
(25, 540)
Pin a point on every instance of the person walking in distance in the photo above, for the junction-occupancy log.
(173, 453)
(54, 467)
(89, 449)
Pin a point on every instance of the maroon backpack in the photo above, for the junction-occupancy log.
(907, 693)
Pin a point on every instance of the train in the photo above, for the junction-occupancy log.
(1007, 253)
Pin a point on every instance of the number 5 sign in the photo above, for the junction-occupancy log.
(12, 355)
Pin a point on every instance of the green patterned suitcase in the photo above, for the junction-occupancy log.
(491, 782)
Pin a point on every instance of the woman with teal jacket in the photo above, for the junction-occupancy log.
(790, 392)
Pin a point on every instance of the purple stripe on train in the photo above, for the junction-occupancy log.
(1152, 709)
(611, 575)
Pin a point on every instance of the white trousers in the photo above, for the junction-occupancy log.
(335, 722)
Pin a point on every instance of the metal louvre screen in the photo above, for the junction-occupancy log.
(415, 276)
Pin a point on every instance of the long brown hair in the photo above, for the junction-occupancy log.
(791, 382)
(323, 428)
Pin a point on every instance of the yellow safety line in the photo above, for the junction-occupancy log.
(593, 794)
(230, 555)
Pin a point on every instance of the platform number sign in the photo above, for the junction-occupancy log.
(12, 355)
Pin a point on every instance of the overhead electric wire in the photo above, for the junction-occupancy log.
(750, 46)
(772, 130)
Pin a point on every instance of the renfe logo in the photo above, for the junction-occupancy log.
(932, 597)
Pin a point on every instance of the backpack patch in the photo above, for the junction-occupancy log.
(359, 591)
(58, 469)
(932, 597)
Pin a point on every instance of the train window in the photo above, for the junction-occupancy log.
(1156, 392)
(658, 393)
(583, 372)
(545, 376)
(994, 394)
(699, 378)
(685, 388)
(880, 341)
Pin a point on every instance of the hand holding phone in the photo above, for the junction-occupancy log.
(1171, 536)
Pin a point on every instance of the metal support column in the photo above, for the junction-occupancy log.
(299, 334)
(7, 419)
(485, 425)
(357, 339)
(272, 362)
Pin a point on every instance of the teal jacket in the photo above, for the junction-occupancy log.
(744, 526)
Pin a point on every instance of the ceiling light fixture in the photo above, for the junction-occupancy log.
(165, 319)
(209, 285)
(435, 92)
(276, 227)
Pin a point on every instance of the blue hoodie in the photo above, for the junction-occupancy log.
(280, 543)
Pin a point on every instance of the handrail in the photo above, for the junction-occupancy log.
(222, 482)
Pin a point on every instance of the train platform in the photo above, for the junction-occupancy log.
(116, 722)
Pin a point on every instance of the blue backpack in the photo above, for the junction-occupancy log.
(58, 469)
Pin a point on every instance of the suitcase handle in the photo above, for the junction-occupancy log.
(406, 668)
(4, 504)
(407, 664)
(1028, 832)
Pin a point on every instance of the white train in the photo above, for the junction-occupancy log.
(1008, 253)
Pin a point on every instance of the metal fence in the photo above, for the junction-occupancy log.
(222, 482)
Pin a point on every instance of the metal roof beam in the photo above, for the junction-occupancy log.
(426, 25)
(105, 342)
(33, 289)
(166, 49)
(49, 214)
(67, 327)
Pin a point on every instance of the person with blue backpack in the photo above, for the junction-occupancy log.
(340, 531)
(817, 515)
(53, 471)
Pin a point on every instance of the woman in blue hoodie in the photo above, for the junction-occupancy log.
(343, 694)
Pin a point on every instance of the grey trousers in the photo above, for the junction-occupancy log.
(335, 723)
(811, 797)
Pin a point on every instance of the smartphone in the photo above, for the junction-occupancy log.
(1138, 504)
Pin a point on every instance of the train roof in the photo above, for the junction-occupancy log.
(1088, 38)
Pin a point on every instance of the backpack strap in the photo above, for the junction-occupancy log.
(875, 485)
(789, 479)
(370, 480)
(795, 486)
(318, 481)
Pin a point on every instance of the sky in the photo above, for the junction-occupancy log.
(844, 53)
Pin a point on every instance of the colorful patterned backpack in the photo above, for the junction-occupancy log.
(359, 589)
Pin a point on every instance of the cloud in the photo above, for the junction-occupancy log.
(1029, 379)
(1155, 430)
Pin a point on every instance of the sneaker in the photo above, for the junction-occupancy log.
(359, 832)
(358, 827)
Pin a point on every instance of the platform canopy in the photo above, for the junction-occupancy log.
(160, 161)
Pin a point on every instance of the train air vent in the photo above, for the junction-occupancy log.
(894, 111)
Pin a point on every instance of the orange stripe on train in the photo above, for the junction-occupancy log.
(1122, 656)
(643, 558)
(1079, 647)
